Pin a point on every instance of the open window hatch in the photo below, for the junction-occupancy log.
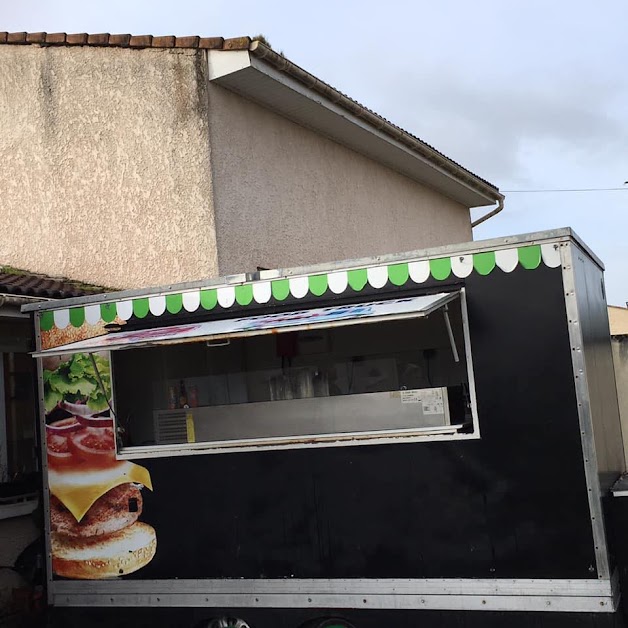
(345, 374)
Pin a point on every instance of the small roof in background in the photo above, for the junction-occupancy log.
(22, 283)
(618, 320)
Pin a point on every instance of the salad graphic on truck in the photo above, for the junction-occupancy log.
(95, 500)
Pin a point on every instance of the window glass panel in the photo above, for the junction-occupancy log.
(365, 378)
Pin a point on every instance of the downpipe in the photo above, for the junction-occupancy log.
(493, 212)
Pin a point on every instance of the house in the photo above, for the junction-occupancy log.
(140, 160)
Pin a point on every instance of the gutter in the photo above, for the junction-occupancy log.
(11, 305)
(493, 212)
(282, 64)
(19, 300)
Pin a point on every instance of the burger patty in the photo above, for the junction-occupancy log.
(115, 510)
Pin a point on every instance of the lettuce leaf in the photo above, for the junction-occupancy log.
(63, 384)
(75, 381)
(51, 399)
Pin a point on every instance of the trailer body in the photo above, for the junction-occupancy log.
(428, 438)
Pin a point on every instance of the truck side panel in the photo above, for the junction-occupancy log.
(512, 504)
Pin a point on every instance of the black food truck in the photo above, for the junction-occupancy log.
(421, 439)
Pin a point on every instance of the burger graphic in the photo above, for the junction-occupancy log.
(95, 500)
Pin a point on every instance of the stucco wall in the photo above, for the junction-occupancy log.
(105, 171)
(286, 196)
(620, 359)
(618, 320)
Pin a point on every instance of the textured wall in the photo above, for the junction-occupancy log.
(105, 171)
(620, 360)
(618, 320)
(286, 196)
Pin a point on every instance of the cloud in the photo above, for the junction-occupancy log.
(490, 126)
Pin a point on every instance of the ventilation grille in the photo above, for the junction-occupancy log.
(171, 427)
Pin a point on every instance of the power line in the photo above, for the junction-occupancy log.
(625, 189)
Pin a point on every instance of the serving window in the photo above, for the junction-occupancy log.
(348, 381)
(348, 374)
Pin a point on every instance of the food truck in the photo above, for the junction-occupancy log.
(419, 439)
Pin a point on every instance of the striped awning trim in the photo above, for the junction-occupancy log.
(316, 285)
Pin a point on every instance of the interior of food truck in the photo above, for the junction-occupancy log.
(337, 381)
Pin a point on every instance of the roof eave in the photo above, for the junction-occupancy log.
(263, 76)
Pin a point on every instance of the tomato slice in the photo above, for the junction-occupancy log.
(95, 421)
(64, 426)
(95, 446)
(59, 454)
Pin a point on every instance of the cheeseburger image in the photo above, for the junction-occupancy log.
(95, 500)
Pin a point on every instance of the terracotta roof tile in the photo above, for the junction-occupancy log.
(35, 38)
(16, 38)
(119, 40)
(163, 42)
(22, 283)
(55, 38)
(100, 39)
(237, 43)
(186, 42)
(76, 39)
(141, 41)
(211, 43)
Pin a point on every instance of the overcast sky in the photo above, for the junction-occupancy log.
(527, 94)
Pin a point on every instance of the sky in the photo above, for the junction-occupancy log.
(528, 94)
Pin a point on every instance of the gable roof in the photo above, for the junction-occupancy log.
(473, 190)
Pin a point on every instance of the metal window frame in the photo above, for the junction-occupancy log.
(309, 441)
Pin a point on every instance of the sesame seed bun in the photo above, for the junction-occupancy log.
(103, 556)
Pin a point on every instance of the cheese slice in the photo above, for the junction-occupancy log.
(78, 490)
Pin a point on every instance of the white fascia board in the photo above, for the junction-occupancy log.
(259, 81)
(224, 62)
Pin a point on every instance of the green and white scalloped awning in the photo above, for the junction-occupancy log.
(315, 285)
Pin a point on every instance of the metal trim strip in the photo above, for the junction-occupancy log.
(341, 586)
(392, 438)
(594, 493)
(436, 594)
(44, 465)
